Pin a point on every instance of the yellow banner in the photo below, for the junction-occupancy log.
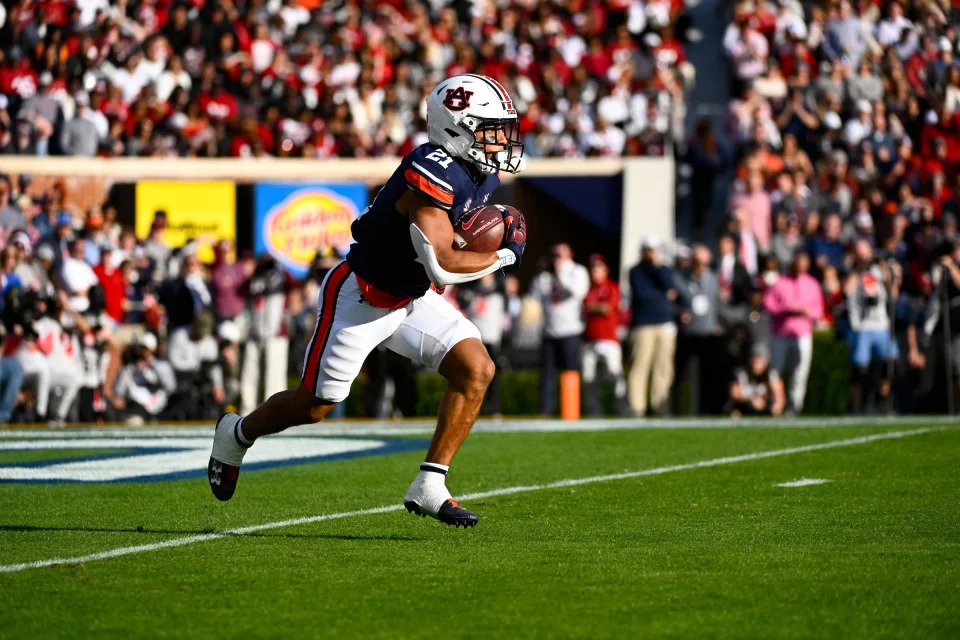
(205, 211)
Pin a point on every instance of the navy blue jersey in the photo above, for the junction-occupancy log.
(382, 253)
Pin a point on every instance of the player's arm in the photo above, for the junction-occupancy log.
(432, 237)
(435, 225)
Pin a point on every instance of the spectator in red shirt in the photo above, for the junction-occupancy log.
(111, 279)
(602, 339)
(217, 103)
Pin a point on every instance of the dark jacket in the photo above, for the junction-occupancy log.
(649, 284)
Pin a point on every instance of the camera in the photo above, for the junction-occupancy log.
(20, 308)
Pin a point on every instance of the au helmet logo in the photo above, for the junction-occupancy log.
(457, 99)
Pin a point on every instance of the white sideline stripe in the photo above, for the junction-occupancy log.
(573, 482)
(802, 482)
(426, 428)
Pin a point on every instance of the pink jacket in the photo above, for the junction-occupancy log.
(759, 207)
(794, 304)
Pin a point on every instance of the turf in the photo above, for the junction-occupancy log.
(708, 552)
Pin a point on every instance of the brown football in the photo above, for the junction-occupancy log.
(480, 229)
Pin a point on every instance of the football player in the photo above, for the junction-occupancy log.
(386, 291)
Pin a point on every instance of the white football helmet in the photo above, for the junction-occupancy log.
(461, 106)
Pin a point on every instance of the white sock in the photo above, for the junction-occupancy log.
(429, 488)
(238, 432)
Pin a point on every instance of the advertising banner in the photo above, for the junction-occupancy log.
(292, 222)
(205, 211)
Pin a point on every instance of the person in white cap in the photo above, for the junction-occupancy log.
(143, 387)
(26, 270)
(860, 127)
(653, 334)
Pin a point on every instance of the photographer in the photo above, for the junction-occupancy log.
(145, 383)
(50, 355)
(561, 287)
(756, 389)
(11, 370)
(195, 359)
(265, 352)
(942, 327)
(870, 287)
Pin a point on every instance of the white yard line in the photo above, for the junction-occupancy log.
(573, 482)
(802, 482)
(426, 427)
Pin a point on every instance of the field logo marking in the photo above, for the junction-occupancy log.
(505, 491)
(152, 459)
(802, 482)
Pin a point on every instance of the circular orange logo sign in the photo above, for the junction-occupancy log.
(305, 222)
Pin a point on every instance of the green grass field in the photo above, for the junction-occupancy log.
(699, 543)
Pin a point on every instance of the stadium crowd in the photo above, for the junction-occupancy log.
(843, 138)
(844, 144)
(328, 79)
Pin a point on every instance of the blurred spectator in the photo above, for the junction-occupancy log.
(11, 378)
(187, 295)
(485, 306)
(265, 294)
(758, 209)
(561, 287)
(746, 47)
(602, 338)
(872, 347)
(942, 326)
(110, 277)
(228, 335)
(826, 248)
(653, 334)
(734, 279)
(10, 216)
(195, 358)
(79, 136)
(156, 247)
(51, 359)
(787, 238)
(795, 303)
(227, 278)
(27, 270)
(756, 389)
(845, 34)
(145, 384)
(697, 346)
(392, 383)
(100, 361)
(9, 259)
(708, 159)
(78, 276)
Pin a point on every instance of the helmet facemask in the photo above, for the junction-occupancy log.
(489, 154)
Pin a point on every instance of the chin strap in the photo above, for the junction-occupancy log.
(439, 276)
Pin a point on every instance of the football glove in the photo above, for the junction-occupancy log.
(515, 233)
